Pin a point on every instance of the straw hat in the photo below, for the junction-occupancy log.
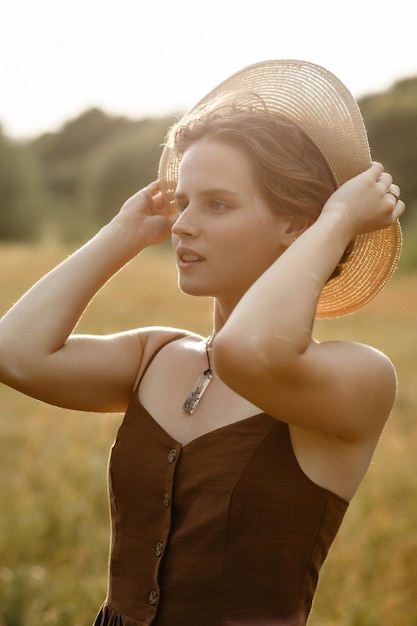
(326, 111)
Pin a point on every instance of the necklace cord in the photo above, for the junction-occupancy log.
(208, 370)
(201, 384)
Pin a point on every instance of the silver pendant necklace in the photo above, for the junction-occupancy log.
(200, 385)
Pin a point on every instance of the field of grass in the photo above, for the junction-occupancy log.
(54, 527)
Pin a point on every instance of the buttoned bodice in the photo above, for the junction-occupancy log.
(226, 530)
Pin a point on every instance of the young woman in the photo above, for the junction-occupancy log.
(238, 453)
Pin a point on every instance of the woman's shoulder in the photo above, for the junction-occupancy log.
(367, 361)
(153, 338)
(157, 336)
(364, 353)
(370, 373)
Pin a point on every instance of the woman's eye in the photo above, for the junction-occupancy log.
(218, 205)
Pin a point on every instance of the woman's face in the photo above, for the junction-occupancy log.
(225, 236)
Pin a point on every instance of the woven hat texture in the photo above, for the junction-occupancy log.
(320, 104)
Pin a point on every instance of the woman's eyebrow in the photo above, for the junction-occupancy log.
(179, 195)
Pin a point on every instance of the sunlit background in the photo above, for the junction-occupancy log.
(136, 58)
(70, 75)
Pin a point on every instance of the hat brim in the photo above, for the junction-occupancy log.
(320, 104)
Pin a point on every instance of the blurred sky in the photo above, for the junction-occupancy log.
(153, 57)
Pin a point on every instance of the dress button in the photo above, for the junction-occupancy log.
(159, 548)
(165, 499)
(153, 597)
(172, 455)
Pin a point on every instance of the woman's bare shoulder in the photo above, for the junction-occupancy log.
(153, 338)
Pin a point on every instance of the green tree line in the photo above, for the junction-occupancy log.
(70, 182)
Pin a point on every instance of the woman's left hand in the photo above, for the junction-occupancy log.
(369, 201)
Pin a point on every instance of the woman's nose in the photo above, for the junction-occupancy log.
(186, 223)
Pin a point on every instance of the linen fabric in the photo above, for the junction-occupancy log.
(226, 530)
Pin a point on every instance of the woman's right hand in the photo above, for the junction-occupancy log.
(146, 213)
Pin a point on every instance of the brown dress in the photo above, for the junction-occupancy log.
(224, 531)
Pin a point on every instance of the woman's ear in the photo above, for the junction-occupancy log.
(294, 226)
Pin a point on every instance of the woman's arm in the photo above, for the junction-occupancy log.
(38, 354)
(265, 351)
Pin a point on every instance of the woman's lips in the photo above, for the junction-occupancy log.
(188, 257)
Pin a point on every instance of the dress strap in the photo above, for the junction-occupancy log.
(151, 358)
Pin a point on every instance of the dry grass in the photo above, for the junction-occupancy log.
(54, 529)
